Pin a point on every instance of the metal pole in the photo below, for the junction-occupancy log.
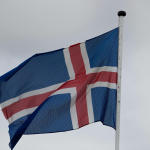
(121, 15)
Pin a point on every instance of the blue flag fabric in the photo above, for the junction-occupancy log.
(62, 90)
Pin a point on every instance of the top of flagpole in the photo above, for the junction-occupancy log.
(122, 13)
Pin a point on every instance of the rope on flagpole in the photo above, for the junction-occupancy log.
(121, 15)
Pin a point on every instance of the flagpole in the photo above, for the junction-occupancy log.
(121, 15)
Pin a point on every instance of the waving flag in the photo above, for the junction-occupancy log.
(62, 90)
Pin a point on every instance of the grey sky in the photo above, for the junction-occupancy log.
(34, 26)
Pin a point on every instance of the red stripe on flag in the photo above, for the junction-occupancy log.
(80, 75)
(103, 76)
(25, 103)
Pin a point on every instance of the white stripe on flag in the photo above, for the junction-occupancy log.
(69, 63)
(87, 63)
(21, 114)
(73, 110)
(89, 104)
(89, 96)
(103, 84)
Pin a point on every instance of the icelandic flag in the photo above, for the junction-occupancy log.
(62, 90)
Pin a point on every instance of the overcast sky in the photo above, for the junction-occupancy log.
(34, 26)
